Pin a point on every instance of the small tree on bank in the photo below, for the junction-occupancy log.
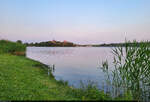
(19, 41)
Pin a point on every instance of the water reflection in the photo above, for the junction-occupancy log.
(73, 64)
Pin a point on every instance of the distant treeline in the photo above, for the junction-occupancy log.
(52, 44)
(70, 44)
(122, 44)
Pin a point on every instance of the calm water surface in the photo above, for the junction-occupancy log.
(74, 64)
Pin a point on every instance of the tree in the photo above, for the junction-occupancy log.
(19, 41)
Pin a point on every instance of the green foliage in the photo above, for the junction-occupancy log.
(52, 44)
(122, 44)
(62, 82)
(127, 96)
(11, 47)
(24, 79)
(19, 41)
(89, 92)
(132, 70)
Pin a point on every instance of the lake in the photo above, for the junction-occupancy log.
(74, 64)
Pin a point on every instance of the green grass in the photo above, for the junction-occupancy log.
(24, 79)
(20, 80)
(11, 47)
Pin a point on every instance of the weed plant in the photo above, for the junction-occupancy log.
(131, 74)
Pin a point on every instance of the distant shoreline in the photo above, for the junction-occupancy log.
(55, 43)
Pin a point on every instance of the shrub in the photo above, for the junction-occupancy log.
(62, 82)
(12, 47)
(89, 91)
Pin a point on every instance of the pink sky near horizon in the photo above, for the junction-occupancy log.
(82, 22)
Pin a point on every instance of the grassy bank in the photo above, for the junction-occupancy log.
(24, 79)
(12, 47)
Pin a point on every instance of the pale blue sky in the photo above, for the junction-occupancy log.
(80, 21)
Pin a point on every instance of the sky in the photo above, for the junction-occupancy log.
(78, 21)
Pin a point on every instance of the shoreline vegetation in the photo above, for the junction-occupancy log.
(55, 43)
(131, 73)
(12, 47)
(22, 78)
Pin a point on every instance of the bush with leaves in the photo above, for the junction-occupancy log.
(11, 47)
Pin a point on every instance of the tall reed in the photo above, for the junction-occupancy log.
(131, 72)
